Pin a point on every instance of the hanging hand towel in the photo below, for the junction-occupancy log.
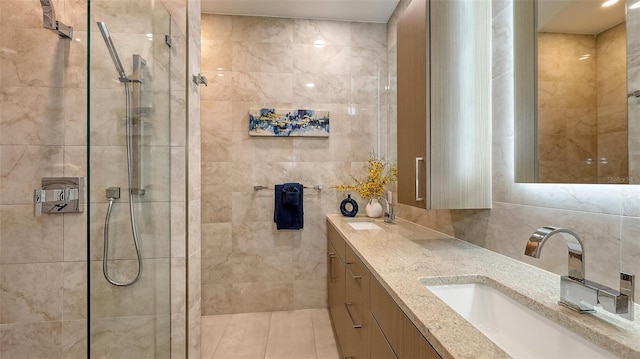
(288, 213)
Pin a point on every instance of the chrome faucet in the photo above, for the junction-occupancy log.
(576, 292)
(389, 211)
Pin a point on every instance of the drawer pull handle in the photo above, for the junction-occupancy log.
(355, 326)
(331, 278)
(352, 274)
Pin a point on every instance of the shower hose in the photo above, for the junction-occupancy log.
(111, 198)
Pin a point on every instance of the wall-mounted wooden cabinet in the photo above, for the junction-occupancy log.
(444, 104)
(366, 321)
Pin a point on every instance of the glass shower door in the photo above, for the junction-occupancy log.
(129, 180)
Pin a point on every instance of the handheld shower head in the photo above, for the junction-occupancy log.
(112, 50)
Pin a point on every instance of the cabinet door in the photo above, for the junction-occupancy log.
(336, 289)
(413, 97)
(388, 316)
(444, 104)
(414, 343)
(380, 348)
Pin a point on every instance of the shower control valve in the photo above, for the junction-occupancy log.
(58, 195)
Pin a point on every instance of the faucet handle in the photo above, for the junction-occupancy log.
(627, 287)
(390, 216)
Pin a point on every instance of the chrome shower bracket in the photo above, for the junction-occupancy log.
(200, 80)
(58, 195)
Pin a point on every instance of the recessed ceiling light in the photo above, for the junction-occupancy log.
(608, 3)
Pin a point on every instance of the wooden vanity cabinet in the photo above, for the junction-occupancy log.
(336, 289)
(405, 339)
(367, 322)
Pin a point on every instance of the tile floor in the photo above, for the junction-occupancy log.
(296, 334)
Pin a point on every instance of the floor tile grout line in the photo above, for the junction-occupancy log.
(213, 354)
(313, 326)
(266, 344)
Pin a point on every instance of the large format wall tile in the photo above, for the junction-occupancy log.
(31, 292)
(31, 340)
(43, 242)
(247, 264)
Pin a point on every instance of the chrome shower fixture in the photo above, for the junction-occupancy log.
(49, 21)
(112, 51)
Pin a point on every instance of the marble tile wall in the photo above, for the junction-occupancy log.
(582, 115)
(43, 291)
(194, 183)
(248, 265)
(43, 266)
(607, 217)
(567, 108)
(611, 87)
(633, 84)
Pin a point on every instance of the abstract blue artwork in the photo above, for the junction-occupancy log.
(273, 122)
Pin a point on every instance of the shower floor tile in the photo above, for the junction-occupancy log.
(296, 334)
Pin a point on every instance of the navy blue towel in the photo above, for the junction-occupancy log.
(288, 212)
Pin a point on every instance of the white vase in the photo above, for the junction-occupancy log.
(373, 208)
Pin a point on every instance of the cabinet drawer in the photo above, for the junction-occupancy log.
(358, 275)
(380, 348)
(358, 328)
(336, 240)
(389, 316)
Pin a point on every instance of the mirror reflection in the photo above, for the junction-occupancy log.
(582, 92)
(581, 132)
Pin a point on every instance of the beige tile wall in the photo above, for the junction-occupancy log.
(43, 126)
(42, 134)
(611, 47)
(633, 84)
(582, 114)
(248, 265)
(567, 108)
(607, 217)
(194, 184)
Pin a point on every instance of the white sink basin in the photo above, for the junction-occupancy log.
(363, 225)
(518, 330)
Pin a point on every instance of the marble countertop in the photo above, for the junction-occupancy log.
(400, 254)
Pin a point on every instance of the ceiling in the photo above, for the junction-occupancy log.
(578, 16)
(346, 10)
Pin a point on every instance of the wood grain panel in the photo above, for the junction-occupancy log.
(460, 68)
(413, 97)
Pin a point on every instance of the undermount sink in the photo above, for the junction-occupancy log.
(518, 330)
(363, 225)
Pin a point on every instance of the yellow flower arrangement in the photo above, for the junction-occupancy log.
(380, 174)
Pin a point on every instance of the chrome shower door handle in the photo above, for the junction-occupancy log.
(418, 160)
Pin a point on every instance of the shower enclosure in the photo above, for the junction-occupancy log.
(85, 90)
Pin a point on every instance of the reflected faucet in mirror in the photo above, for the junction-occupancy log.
(577, 292)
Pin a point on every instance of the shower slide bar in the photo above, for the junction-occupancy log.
(133, 133)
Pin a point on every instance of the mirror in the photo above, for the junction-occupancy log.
(572, 123)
